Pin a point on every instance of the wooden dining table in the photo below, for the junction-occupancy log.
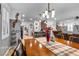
(34, 48)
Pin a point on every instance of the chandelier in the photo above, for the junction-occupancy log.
(49, 13)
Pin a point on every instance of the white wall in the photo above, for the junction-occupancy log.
(5, 43)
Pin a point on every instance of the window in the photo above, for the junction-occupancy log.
(70, 27)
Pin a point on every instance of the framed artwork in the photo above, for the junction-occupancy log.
(5, 23)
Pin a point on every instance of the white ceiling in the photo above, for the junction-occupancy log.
(32, 10)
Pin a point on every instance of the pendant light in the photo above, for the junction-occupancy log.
(49, 13)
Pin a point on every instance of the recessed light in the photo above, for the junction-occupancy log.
(23, 15)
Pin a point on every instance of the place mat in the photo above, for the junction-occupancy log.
(59, 49)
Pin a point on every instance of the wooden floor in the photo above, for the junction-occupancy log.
(34, 48)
